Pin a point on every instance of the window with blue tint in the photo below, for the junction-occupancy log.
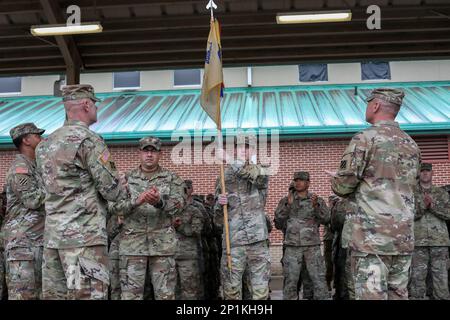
(11, 85)
(187, 77)
(127, 80)
(313, 72)
(375, 70)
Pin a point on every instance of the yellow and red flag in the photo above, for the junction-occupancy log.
(212, 88)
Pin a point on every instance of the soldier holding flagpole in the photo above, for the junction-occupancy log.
(241, 193)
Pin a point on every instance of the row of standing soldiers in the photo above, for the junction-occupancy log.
(73, 223)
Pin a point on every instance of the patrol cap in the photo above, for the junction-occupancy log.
(79, 91)
(150, 142)
(426, 166)
(210, 196)
(390, 95)
(302, 175)
(25, 128)
(188, 183)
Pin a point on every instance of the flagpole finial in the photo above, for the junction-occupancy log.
(211, 5)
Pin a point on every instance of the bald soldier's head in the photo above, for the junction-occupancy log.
(80, 103)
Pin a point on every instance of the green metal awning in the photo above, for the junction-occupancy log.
(296, 111)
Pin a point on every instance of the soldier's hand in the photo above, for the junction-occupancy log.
(176, 222)
(153, 196)
(123, 180)
(223, 199)
(290, 198)
(314, 200)
(428, 201)
(142, 198)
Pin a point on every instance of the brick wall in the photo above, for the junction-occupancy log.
(314, 156)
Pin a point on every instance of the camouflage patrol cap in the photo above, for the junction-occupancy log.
(394, 96)
(302, 175)
(210, 196)
(150, 142)
(426, 166)
(79, 91)
(188, 183)
(25, 128)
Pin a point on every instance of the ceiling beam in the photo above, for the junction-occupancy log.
(357, 52)
(66, 44)
(296, 41)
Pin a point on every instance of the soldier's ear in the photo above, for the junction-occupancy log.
(376, 107)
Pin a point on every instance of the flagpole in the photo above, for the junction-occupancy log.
(222, 182)
(211, 5)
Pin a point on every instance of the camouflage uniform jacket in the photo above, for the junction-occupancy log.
(79, 178)
(300, 220)
(430, 228)
(247, 189)
(380, 169)
(24, 223)
(189, 233)
(147, 230)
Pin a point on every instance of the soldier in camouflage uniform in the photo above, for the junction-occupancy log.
(189, 226)
(341, 210)
(246, 190)
(148, 242)
(79, 176)
(300, 214)
(24, 225)
(3, 293)
(379, 169)
(431, 238)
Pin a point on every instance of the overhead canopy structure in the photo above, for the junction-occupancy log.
(315, 111)
(157, 34)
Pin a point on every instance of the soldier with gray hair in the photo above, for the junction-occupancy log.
(24, 225)
(379, 169)
(79, 177)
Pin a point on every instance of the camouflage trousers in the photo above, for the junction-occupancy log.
(305, 283)
(114, 272)
(24, 276)
(380, 277)
(159, 270)
(256, 258)
(343, 280)
(189, 282)
(328, 256)
(434, 260)
(293, 260)
(75, 273)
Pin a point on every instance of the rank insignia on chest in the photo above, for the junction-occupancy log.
(343, 164)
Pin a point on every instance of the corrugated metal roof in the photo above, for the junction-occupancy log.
(294, 111)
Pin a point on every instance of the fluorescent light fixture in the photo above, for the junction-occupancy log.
(63, 29)
(314, 17)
